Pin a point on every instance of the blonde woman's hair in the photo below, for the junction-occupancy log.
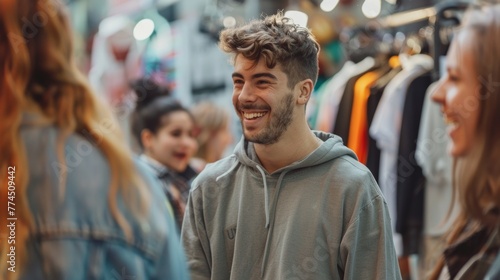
(209, 120)
(38, 73)
(476, 176)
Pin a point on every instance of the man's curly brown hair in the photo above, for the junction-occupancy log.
(278, 41)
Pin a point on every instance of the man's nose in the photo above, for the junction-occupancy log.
(247, 94)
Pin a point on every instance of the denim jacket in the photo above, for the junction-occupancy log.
(75, 236)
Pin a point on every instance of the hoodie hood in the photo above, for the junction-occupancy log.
(331, 148)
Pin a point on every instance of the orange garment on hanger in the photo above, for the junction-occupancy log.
(358, 131)
(358, 126)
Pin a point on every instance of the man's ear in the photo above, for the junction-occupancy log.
(305, 88)
(146, 138)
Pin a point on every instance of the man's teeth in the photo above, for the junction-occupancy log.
(253, 115)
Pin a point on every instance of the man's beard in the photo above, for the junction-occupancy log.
(280, 120)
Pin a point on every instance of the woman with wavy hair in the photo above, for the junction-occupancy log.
(469, 94)
(76, 204)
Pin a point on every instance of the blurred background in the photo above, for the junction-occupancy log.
(177, 40)
(175, 43)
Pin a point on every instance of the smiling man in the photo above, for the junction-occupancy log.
(290, 203)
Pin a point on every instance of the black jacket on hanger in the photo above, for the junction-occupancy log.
(343, 120)
(411, 182)
(376, 92)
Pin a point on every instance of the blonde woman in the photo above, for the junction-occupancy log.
(214, 133)
(469, 94)
(74, 203)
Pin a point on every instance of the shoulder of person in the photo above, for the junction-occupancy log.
(353, 177)
(349, 167)
(87, 177)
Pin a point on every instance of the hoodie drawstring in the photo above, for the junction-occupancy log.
(266, 195)
(268, 214)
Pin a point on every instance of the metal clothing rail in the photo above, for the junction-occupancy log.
(407, 17)
(411, 16)
(439, 16)
(444, 15)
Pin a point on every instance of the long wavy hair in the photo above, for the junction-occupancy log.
(477, 175)
(39, 73)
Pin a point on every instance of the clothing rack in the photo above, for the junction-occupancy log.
(445, 13)
(407, 17)
(440, 15)
(440, 11)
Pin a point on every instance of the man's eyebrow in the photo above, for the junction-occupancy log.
(255, 76)
(237, 75)
(265, 75)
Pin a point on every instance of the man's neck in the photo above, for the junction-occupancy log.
(289, 149)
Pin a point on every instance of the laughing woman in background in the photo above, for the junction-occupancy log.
(469, 94)
(164, 130)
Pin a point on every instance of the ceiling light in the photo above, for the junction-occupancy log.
(297, 17)
(371, 8)
(143, 29)
(229, 22)
(328, 5)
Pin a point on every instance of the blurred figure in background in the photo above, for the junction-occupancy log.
(165, 131)
(213, 133)
(82, 208)
(116, 61)
(469, 96)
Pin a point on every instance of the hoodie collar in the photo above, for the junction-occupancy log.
(331, 148)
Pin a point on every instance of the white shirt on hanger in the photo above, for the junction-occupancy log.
(334, 90)
(432, 157)
(386, 128)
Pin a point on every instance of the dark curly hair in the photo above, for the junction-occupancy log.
(278, 41)
(154, 103)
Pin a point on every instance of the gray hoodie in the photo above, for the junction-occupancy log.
(322, 217)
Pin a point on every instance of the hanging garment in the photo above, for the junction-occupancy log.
(358, 138)
(373, 156)
(432, 157)
(342, 123)
(358, 127)
(329, 98)
(386, 126)
(410, 185)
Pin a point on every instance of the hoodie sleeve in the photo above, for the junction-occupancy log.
(195, 239)
(367, 249)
